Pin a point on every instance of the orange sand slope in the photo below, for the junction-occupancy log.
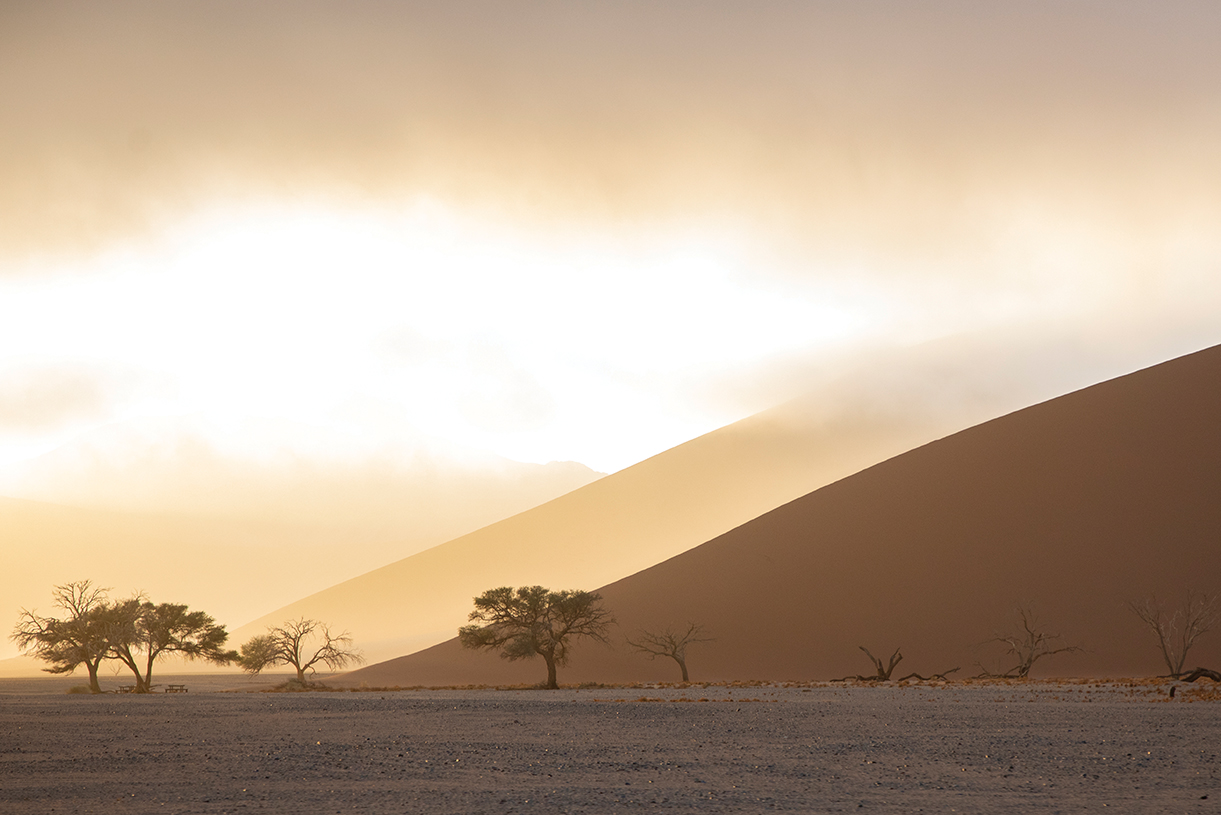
(1075, 505)
(615, 526)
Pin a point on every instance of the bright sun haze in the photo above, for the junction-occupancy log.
(380, 321)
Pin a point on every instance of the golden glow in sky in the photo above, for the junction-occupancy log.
(387, 324)
(583, 231)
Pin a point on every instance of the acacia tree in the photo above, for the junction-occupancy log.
(78, 638)
(535, 621)
(141, 632)
(1029, 643)
(1178, 629)
(302, 644)
(672, 643)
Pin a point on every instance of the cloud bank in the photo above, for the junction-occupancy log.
(872, 128)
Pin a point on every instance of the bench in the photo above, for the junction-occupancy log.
(175, 688)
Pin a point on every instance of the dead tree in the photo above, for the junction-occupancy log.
(301, 644)
(1029, 643)
(1178, 629)
(670, 643)
(883, 674)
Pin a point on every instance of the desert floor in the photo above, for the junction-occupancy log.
(1039, 746)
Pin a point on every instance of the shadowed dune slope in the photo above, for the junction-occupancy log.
(1075, 505)
(614, 527)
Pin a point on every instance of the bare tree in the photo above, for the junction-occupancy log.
(1178, 629)
(1028, 642)
(78, 638)
(883, 674)
(301, 643)
(535, 621)
(670, 643)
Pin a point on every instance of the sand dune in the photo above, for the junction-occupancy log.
(617, 525)
(255, 538)
(1075, 505)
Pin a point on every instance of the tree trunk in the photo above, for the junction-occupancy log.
(551, 679)
(300, 674)
(92, 667)
(125, 656)
(148, 673)
(682, 663)
(135, 669)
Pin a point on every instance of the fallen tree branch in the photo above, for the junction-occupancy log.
(930, 677)
(1205, 672)
(944, 676)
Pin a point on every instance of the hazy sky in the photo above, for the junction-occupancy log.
(585, 230)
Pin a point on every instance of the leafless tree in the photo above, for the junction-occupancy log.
(883, 674)
(1028, 642)
(301, 643)
(672, 643)
(535, 621)
(1178, 629)
(78, 638)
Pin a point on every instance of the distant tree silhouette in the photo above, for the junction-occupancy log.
(1028, 642)
(80, 637)
(883, 673)
(1178, 629)
(135, 632)
(301, 643)
(672, 643)
(142, 632)
(534, 621)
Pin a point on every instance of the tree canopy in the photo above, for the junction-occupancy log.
(535, 621)
(136, 632)
(80, 637)
(143, 631)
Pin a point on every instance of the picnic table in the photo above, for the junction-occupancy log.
(175, 688)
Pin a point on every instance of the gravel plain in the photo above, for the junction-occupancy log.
(967, 747)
